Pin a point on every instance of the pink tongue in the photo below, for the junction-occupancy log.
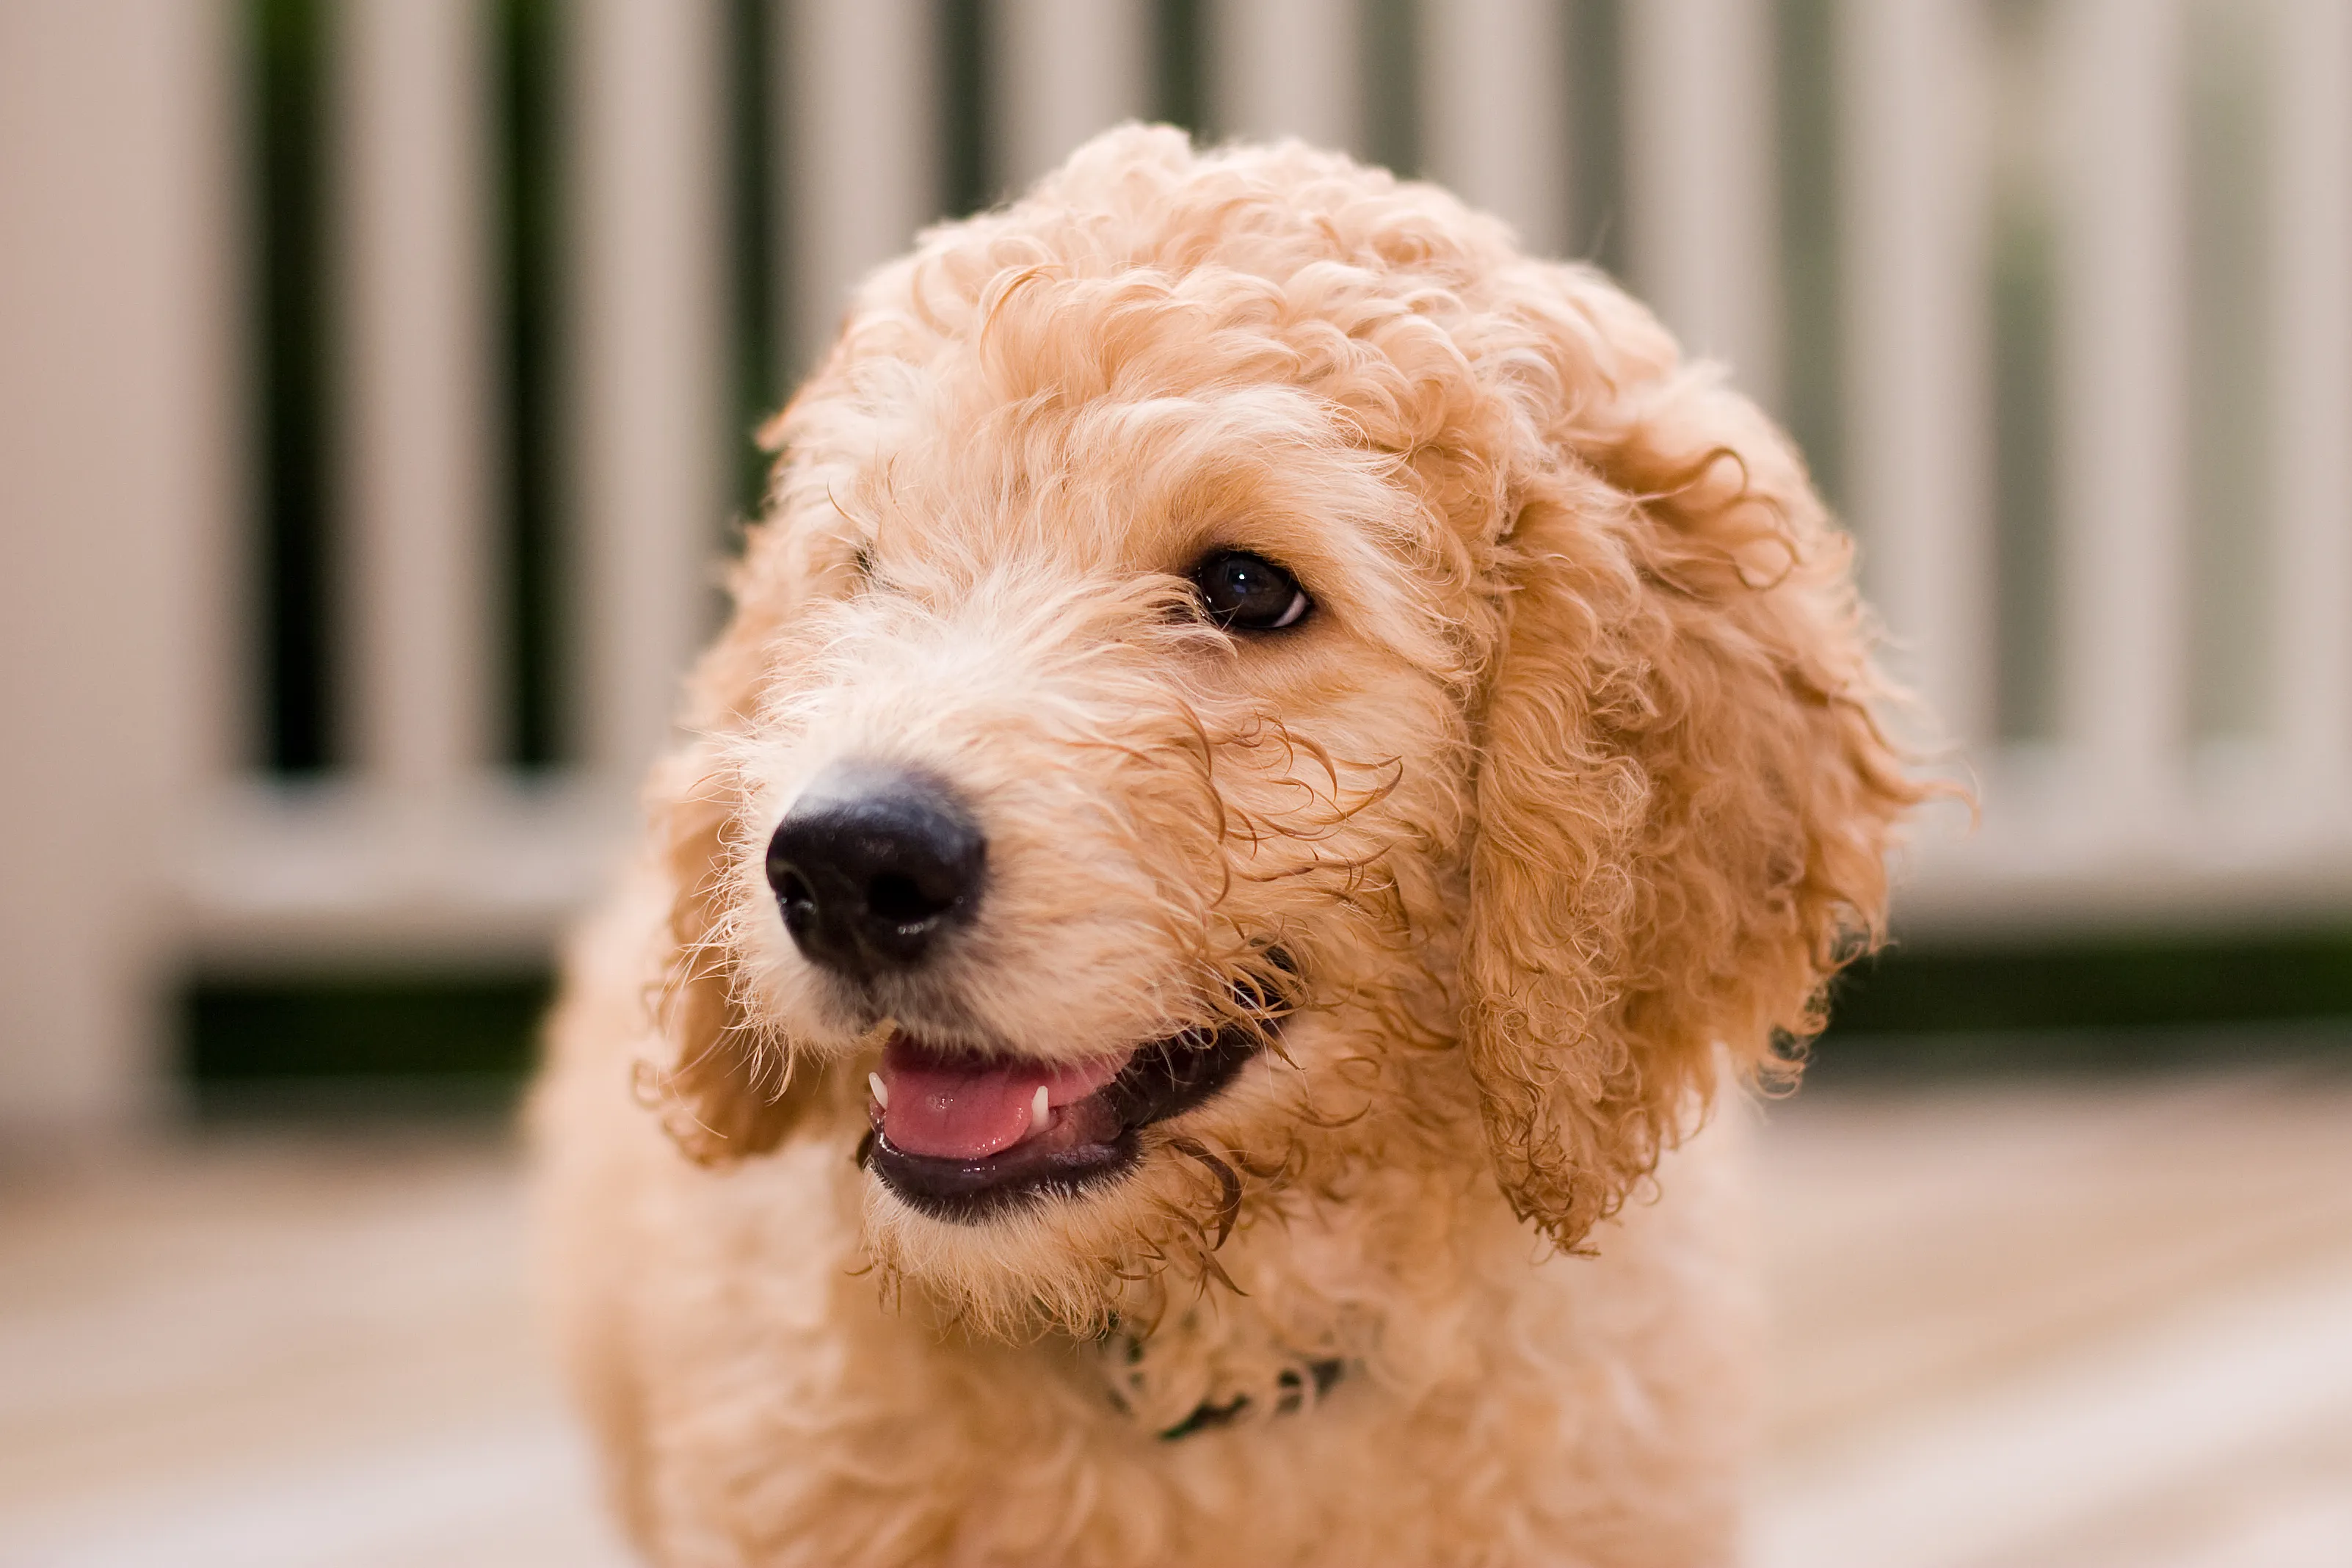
(956, 1108)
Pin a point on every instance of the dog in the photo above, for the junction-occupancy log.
(1273, 758)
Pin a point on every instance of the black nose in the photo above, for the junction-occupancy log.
(871, 865)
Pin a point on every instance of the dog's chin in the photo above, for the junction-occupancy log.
(996, 1158)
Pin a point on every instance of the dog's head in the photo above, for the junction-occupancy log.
(1245, 677)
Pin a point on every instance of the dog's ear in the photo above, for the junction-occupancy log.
(1684, 798)
(724, 1089)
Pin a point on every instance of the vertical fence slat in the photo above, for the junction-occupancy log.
(1917, 439)
(864, 133)
(1289, 68)
(1065, 70)
(2121, 470)
(1699, 197)
(1495, 119)
(114, 150)
(2312, 336)
(414, 94)
(651, 443)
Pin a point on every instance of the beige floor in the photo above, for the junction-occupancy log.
(2105, 1325)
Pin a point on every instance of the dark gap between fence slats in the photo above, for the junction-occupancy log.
(294, 533)
(1180, 66)
(2023, 281)
(755, 153)
(1596, 133)
(1810, 235)
(535, 505)
(968, 168)
(1391, 79)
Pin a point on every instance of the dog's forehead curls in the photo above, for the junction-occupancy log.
(1235, 600)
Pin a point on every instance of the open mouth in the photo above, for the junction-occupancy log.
(960, 1138)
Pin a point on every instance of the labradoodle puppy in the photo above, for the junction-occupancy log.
(1273, 756)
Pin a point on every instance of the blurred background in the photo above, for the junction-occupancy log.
(376, 382)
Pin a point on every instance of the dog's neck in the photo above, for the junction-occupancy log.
(1265, 1384)
(1297, 1389)
(1296, 1323)
(1305, 1294)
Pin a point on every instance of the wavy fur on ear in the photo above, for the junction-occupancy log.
(726, 1088)
(723, 1093)
(1684, 798)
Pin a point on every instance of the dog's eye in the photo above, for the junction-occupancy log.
(1248, 593)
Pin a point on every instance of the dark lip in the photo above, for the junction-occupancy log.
(1163, 1078)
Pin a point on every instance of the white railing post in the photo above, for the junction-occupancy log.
(1065, 70)
(2311, 339)
(1700, 225)
(414, 202)
(1496, 113)
(650, 443)
(2122, 471)
(116, 305)
(862, 87)
(1289, 68)
(1918, 439)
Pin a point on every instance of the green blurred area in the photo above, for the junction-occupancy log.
(2108, 1005)
(2096, 1004)
(360, 1045)
(2112, 984)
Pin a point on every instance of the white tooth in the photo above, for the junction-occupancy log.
(1038, 1110)
(881, 1090)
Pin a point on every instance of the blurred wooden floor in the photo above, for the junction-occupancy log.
(2104, 1324)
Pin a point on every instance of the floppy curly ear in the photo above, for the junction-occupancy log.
(722, 1087)
(1684, 799)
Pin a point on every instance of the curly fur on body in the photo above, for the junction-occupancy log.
(1560, 813)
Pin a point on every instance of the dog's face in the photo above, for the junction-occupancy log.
(1106, 787)
(1243, 677)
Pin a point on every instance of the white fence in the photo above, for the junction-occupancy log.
(141, 843)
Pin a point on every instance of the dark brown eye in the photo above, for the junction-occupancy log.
(1245, 593)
